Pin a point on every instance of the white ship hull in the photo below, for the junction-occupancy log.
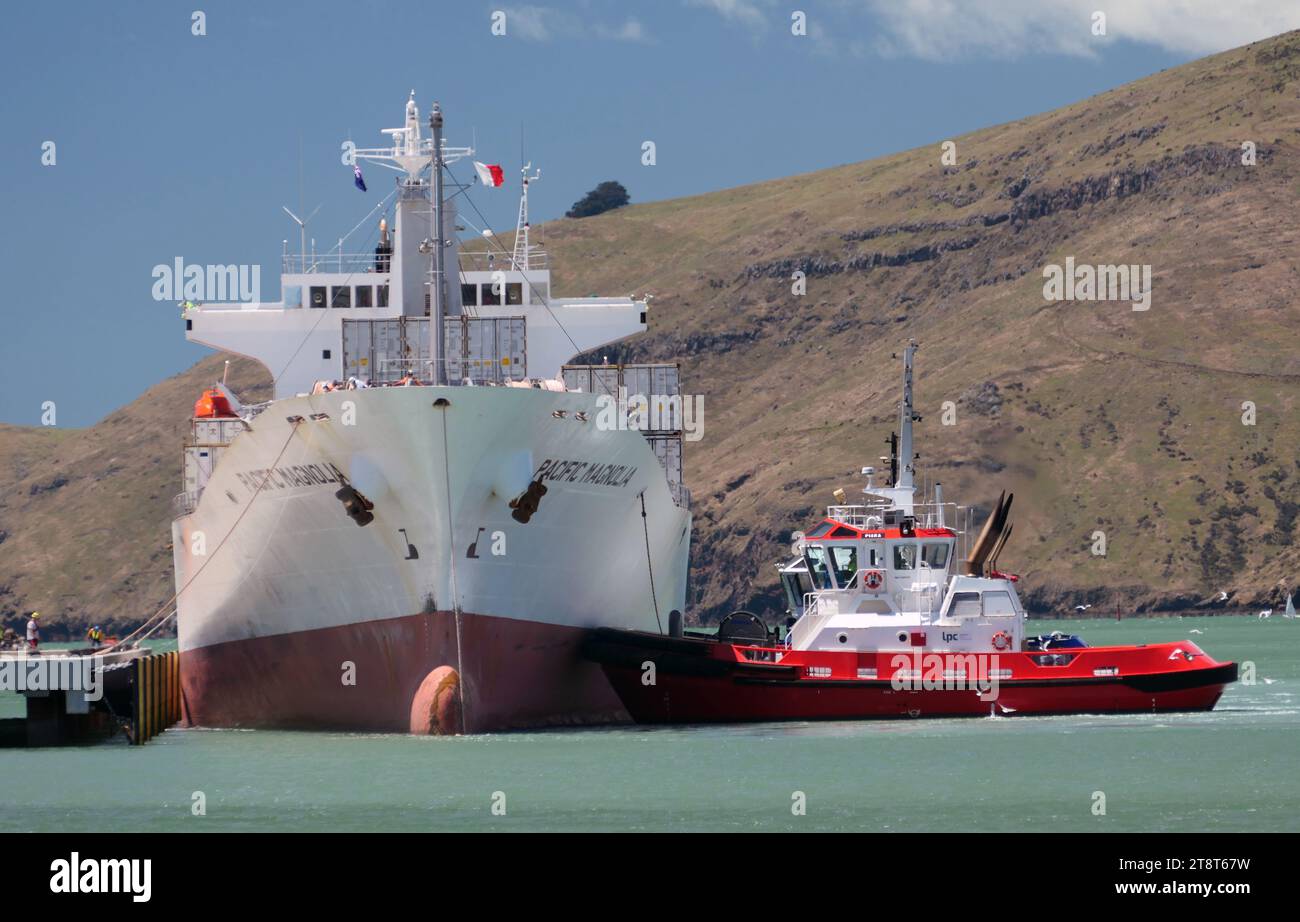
(290, 614)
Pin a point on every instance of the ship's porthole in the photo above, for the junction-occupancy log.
(843, 638)
(902, 637)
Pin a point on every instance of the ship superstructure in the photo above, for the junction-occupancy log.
(430, 487)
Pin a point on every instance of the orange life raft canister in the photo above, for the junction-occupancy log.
(212, 405)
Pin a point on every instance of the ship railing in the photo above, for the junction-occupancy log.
(926, 514)
(184, 504)
(252, 410)
(312, 263)
(493, 261)
(919, 599)
(818, 608)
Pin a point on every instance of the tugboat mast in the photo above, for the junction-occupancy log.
(901, 491)
(906, 456)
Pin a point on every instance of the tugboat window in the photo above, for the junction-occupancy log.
(365, 296)
(998, 605)
(817, 569)
(904, 556)
(469, 295)
(935, 555)
(491, 295)
(514, 292)
(965, 605)
(318, 296)
(383, 296)
(820, 530)
(342, 296)
(845, 562)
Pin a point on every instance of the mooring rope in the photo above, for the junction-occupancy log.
(136, 635)
(648, 564)
(451, 555)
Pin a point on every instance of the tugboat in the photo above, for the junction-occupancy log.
(884, 625)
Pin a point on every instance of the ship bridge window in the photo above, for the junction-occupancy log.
(820, 530)
(797, 585)
(904, 556)
(292, 296)
(935, 555)
(365, 296)
(514, 292)
(469, 295)
(491, 295)
(382, 299)
(341, 296)
(815, 556)
(318, 296)
(998, 605)
(844, 561)
(965, 605)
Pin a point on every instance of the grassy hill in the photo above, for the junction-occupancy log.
(1097, 416)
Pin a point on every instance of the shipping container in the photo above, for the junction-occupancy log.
(215, 431)
(659, 378)
(383, 351)
(659, 384)
(200, 462)
(668, 450)
(486, 350)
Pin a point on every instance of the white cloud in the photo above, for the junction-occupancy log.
(544, 24)
(743, 12)
(630, 31)
(940, 29)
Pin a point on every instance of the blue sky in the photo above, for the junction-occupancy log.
(170, 144)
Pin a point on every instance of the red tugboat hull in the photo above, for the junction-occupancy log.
(695, 680)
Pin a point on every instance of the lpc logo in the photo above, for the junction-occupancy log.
(103, 875)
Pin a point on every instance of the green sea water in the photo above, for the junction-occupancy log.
(1234, 769)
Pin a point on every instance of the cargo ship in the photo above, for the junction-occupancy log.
(889, 618)
(418, 529)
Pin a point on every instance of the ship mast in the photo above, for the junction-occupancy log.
(906, 414)
(901, 491)
(436, 343)
(419, 277)
(522, 248)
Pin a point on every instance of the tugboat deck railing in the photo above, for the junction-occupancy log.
(926, 514)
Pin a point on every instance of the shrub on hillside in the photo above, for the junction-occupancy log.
(606, 196)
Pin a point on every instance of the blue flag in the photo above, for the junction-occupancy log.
(356, 172)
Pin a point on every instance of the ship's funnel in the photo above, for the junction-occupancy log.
(989, 535)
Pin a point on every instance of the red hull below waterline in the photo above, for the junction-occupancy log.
(704, 681)
(512, 675)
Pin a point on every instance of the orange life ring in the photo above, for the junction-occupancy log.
(1001, 640)
(873, 579)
